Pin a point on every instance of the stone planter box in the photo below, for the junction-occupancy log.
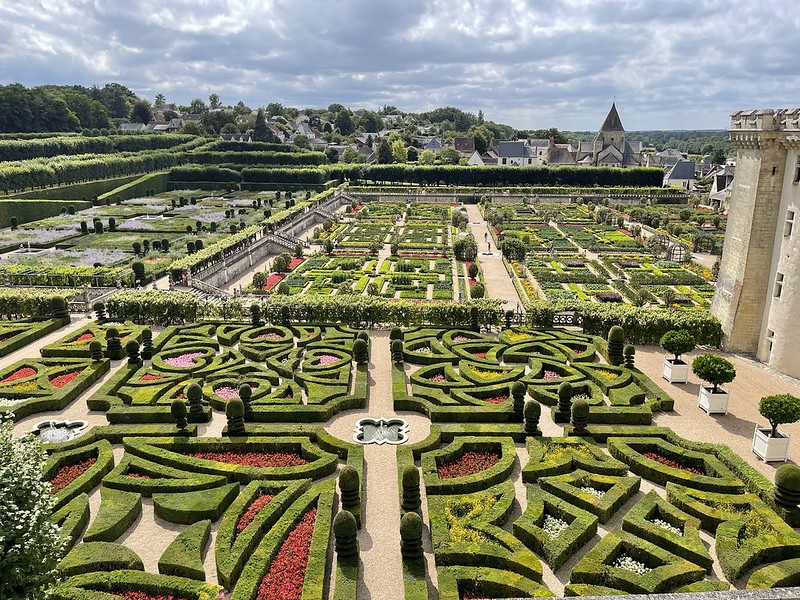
(770, 449)
(714, 403)
(675, 371)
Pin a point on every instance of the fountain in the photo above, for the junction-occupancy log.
(392, 431)
(51, 432)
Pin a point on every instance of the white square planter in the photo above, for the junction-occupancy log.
(770, 449)
(675, 372)
(714, 403)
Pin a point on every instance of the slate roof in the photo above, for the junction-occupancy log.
(465, 145)
(511, 149)
(612, 122)
(683, 169)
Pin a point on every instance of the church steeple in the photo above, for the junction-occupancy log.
(612, 122)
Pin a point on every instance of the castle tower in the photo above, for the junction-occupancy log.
(758, 290)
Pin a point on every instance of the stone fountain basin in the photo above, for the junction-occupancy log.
(58, 431)
(369, 430)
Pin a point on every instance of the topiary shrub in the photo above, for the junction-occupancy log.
(178, 411)
(787, 486)
(349, 488)
(147, 344)
(629, 356)
(246, 396)
(564, 408)
(779, 409)
(397, 351)
(84, 228)
(112, 224)
(96, 348)
(677, 342)
(477, 291)
(234, 412)
(411, 536)
(509, 315)
(360, 351)
(138, 271)
(59, 306)
(714, 369)
(255, 315)
(14, 223)
(194, 394)
(616, 343)
(132, 349)
(113, 344)
(533, 412)
(474, 319)
(100, 312)
(345, 531)
(518, 391)
(411, 493)
(580, 414)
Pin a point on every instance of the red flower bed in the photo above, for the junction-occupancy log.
(19, 374)
(137, 475)
(496, 399)
(284, 579)
(151, 377)
(625, 231)
(356, 209)
(273, 280)
(135, 595)
(64, 379)
(468, 464)
(479, 354)
(69, 473)
(256, 506)
(294, 262)
(671, 463)
(254, 459)
(83, 338)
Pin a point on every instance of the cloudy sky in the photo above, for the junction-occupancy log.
(675, 64)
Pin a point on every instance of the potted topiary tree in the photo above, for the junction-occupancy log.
(769, 443)
(715, 370)
(677, 342)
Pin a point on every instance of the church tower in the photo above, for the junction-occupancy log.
(611, 133)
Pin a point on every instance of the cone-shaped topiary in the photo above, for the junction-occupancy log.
(580, 414)
(518, 391)
(147, 344)
(360, 351)
(533, 412)
(411, 494)
(234, 411)
(397, 351)
(132, 348)
(138, 271)
(564, 408)
(96, 348)
(787, 486)
(246, 396)
(629, 356)
(100, 312)
(474, 319)
(178, 411)
(616, 343)
(345, 530)
(411, 536)
(194, 394)
(395, 334)
(255, 315)
(59, 306)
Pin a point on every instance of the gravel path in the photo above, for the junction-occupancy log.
(498, 283)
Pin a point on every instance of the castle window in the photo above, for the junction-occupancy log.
(776, 292)
(504, 161)
(797, 172)
(770, 339)
(788, 224)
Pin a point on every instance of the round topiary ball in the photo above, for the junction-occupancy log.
(245, 391)
(132, 347)
(396, 334)
(98, 307)
(344, 525)
(348, 479)
(362, 335)
(518, 389)
(194, 392)
(565, 390)
(787, 477)
(616, 334)
(411, 526)
(234, 409)
(410, 477)
(533, 410)
(96, 348)
(178, 408)
(580, 414)
(112, 332)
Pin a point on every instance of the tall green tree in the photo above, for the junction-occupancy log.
(30, 543)
(159, 102)
(384, 152)
(197, 106)
(399, 152)
(344, 122)
(141, 112)
(213, 101)
(261, 132)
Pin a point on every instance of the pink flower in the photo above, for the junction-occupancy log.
(184, 360)
(227, 392)
(328, 359)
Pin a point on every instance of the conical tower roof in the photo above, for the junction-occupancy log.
(612, 122)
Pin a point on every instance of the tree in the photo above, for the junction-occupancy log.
(141, 112)
(513, 248)
(194, 129)
(399, 152)
(412, 154)
(215, 121)
(229, 128)
(197, 106)
(426, 157)
(344, 122)
(261, 132)
(213, 101)
(719, 157)
(159, 102)
(450, 156)
(465, 248)
(779, 409)
(332, 154)
(349, 155)
(714, 369)
(242, 109)
(384, 152)
(30, 542)
(370, 121)
(301, 141)
(677, 342)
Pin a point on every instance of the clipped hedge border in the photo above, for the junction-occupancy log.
(556, 551)
(718, 479)
(87, 481)
(99, 556)
(497, 473)
(115, 434)
(73, 518)
(618, 491)
(184, 556)
(165, 479)
(118, 511)
(785, 573)
(597, 461)
(454, 581)
(34, 330)
(711, 508)
(91, 586)
(186, 508)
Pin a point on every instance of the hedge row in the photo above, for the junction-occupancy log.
(118, 511)
(90, 557)
(78, 191)
(30, 331)
(500, 471)
(27, 210)
(184, 556)
(19, 149)
(153, 182)
(260, 158)
(92, 586)
(25, 303)
(89, 479)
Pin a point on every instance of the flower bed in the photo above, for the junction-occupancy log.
(19, 374)
(551, 376)
(284, 579)
(328, 359)
(671, 463)
(273, 280)
(64, 380)
(254, 459)
(69, 473)
(294, 262)
(136, 595)
(227, 392)
(184, 360)
(468, 464)
(496, 399)
(83, 338)
(255, 507)
(151, 377)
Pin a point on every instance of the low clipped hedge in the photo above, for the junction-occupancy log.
(72, 518)
(718, 477)
(184, 556)
(498, 472)
(99, 556)
(785, 573)
(555, 551)
(668, 571)
(31, 330)
(618, 490)
(164, 479)
(186, 508)
(569, 454)
(91, 586)
(118, 511)
(711, 508)
(454, 581)
(88, 480)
